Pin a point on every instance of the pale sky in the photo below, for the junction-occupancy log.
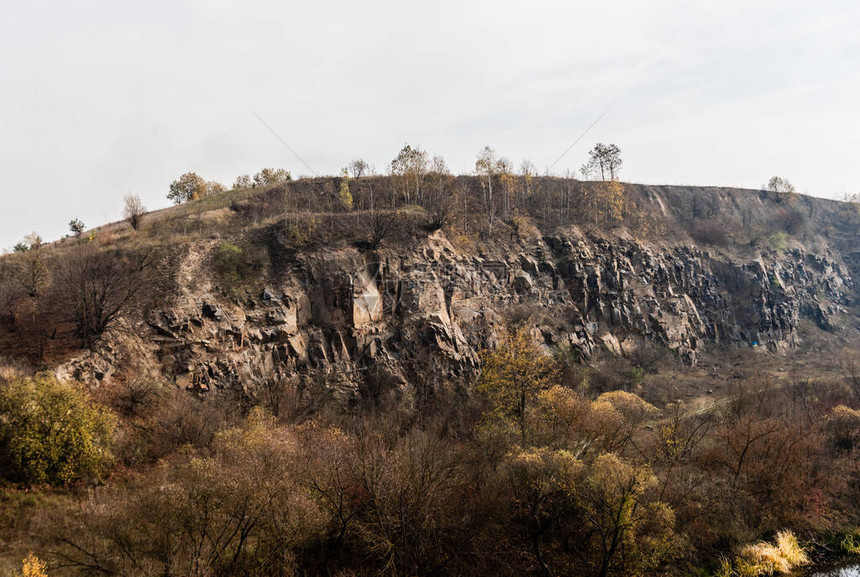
(99, 99)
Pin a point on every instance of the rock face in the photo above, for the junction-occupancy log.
(344, 311)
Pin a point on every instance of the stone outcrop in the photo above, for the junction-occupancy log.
(345, 311)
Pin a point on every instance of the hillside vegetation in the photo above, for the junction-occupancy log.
(435, 375)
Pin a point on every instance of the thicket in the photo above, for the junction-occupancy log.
(530, 472)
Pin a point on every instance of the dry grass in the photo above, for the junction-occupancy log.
(765, 558)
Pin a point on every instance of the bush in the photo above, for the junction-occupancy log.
(709, 232)
(778, 240)
(52, 432)
(228, 263)
(235, 265)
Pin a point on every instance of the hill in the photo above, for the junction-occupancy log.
(250, 328)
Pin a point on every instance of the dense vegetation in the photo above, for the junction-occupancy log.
(523, 476)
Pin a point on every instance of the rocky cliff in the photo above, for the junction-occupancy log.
(343, 311)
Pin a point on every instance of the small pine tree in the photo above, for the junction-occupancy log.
(76, 226)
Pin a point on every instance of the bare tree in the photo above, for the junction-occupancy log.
(380, 225)
(440, 197)
(358, 167)
(134, 211)
(99, 287)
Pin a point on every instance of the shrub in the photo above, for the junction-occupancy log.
(778, 240)
(709, 232)
(133, 211)
(228, 263)
(52, 432)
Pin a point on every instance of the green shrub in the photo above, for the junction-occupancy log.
(52, 432)
(778, 240)
(229, 264)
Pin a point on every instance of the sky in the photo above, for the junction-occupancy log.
(100, 99)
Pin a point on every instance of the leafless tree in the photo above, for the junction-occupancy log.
(98, 287)
(358, 167)
(134, 211)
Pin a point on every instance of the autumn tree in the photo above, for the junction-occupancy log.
(781, 188)
(617, 512)
(29, 306)
(344, 195)
(513, 374)
(52, 432)
(32, 566)
(133, 211)
(408, 169)
(528, 171)
(603, 159)
(189, 186)
(271, 176)
(243, 181)
(486, 166)
(543, 486)
(99, 286)
(213, 187)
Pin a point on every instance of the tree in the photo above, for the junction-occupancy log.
(345, 195)
(781, 187)
(615, 511)
(99, 286)
(33, 241)
(604, 159)
(272, 176)
(358, 167)
(243, 181)
(76, 227)
(189, 186)
(543, 489)
(52, 432)
(408, 168)
(527, 171)
(133, 211)
(213, 187)
(486, 165)
(440, 196)
(380, 225)
(513, 374)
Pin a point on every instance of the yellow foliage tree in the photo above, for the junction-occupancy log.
(513, 375)
(345, 194)
(52, 432)
(627, 531)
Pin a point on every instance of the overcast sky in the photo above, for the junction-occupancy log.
(99, 99)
